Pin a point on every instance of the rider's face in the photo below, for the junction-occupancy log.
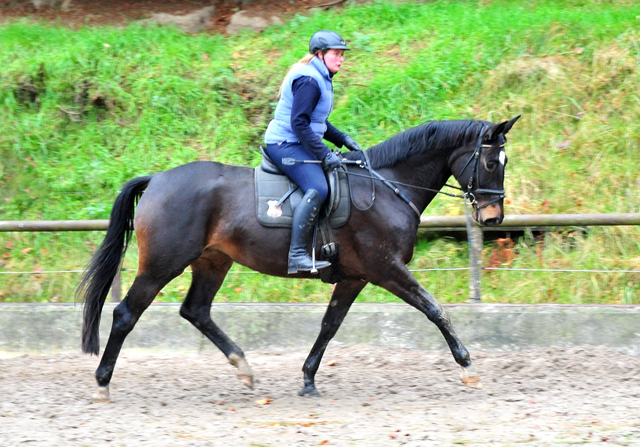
(333, 59)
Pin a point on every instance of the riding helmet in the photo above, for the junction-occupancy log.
(325, 40)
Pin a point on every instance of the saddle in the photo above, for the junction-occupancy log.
(277, 196)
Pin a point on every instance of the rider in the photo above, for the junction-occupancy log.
(297, 130)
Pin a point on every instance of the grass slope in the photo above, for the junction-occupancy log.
(83, 111)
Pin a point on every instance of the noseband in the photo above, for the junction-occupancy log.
(470, 193)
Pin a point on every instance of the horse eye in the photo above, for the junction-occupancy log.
(491, 165)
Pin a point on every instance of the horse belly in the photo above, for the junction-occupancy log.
(250, 244)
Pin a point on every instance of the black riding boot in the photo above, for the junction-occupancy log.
(304, 218)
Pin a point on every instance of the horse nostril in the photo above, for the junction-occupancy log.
(491, 221)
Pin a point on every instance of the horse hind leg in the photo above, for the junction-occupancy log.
(208, 275)
(125, 316)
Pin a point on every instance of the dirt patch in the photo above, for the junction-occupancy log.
(115, 12)
(372, 396)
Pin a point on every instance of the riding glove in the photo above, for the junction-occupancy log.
(351, 144)
(331, 161)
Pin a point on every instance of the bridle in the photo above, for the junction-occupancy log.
(470, 193)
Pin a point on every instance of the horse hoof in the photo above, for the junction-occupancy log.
(308, 390)
(245, 374)
(470, 378)
(247, 380)
(102, 395)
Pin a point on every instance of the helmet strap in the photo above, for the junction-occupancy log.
(323, 52)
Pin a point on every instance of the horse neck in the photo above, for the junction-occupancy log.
(426, 170)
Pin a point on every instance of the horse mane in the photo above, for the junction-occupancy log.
(430, 136)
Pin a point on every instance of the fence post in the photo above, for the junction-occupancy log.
(475, 238)
(116, 288)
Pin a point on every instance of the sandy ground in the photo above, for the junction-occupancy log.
(372, 396)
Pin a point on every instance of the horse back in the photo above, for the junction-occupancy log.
(188, 200)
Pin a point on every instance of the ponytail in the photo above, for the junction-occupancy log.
(304, 61)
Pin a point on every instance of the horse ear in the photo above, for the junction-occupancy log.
(500, 128)
(509, 124)
(491, 132)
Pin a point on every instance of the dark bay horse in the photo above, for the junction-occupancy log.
(202, 215)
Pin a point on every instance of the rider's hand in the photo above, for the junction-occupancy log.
(331, 161)
(351, 144)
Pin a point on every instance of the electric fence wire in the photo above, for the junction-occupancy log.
(504, 269)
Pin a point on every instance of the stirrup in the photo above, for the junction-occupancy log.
(313, 268)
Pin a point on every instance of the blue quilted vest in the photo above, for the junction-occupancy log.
(279, 129)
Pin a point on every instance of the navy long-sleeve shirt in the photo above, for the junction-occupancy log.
(306, 94)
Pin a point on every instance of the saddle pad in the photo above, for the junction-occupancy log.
(270, 188)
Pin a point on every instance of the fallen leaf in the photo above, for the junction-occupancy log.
(332, 363)
(325, 442)
(205, 56)
(563, 145)
(8, 245)
(238, 289)
(43, 251)
(26, 250)
(264, 401)
(236, 55)
(579, 50)
(106, 45)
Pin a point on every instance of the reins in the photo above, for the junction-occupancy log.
(469, 195)
(382, 179)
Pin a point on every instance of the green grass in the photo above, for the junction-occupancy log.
(82, 112)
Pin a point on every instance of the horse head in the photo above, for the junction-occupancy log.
(479, 168)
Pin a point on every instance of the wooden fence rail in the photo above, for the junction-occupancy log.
(540, 222)
(430, 223)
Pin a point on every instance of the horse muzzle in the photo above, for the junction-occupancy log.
(489, 215)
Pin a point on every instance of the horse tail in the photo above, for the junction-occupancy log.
(106, 261)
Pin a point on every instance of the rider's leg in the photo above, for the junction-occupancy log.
(312, 181)
(304, 219)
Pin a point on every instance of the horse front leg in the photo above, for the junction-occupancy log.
(343, 296)
(401, 283)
